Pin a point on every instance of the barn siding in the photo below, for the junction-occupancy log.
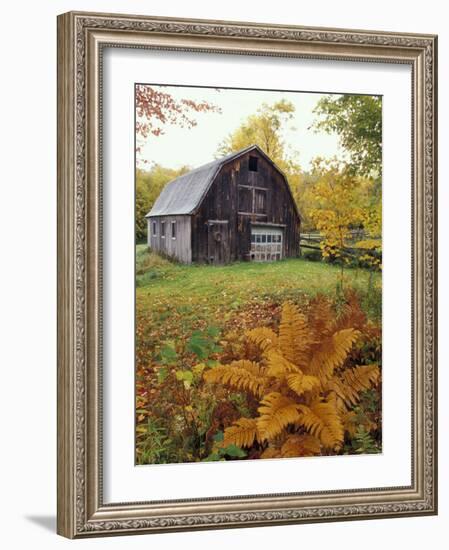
(180, 247)
(221, 203)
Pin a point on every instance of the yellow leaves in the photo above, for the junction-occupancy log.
(295, 445)
(305, 388)
(278, 366)
(321, 319)
(276, 412)
(351, 314)
(321, 419)
(271, 452)
(362, 377)
(263, 337)
(241, 375)
(198, 369)
(294, 335)
(332, 353)
(369, 244)
(348, 385)
(300, 445)
(336, 193)
(301, 383)
(243, 433)
(341, 203)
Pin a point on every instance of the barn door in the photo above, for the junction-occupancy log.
(266, 243)
(218, 242)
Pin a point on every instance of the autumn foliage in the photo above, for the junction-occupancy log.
(276, 380)
(304, 382)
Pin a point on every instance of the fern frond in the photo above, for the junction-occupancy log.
(352, 315)
(242, 433)
(265, 338)
(321, 318)
(278, 366)
(301, 445)
(276, 412)
(332, 353)
(352, 423)
(242, 375)
(301, 383)
(294, 335)
(352, 381)
(322, 420)
(271, 452)
(362, 377)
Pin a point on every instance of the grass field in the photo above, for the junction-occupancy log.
(173, 299)
(219, 288)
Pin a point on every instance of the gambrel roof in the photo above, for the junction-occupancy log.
(184, 194)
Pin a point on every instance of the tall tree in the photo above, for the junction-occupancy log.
(337, 207)
(339, 202)
(264, 128)
(149, 183)
(357, 119)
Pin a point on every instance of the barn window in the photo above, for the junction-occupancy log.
(163, 230)
(252, 165)
(260, 201)
(266, 244)
(154, 229)
(252, 200)
(245, 199)
(173, 230)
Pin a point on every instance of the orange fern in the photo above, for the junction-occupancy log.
(243, 433)
(305, 386)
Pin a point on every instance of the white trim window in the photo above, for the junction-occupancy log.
(154, 228)
(173, 230)
(266, 244)
(162, 230)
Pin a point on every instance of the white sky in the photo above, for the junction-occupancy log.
(196, 146)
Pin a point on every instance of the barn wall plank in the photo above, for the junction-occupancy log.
(179, 247)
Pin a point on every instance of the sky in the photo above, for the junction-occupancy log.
(196, 146)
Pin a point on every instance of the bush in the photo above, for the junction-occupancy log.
(311, 255)
(150, 265)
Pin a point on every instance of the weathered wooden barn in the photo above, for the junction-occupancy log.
(238, 207)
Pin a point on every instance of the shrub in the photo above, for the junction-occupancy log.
(311, 255)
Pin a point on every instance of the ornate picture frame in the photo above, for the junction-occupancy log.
(82, 39)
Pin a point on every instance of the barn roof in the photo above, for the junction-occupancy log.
(184, 194)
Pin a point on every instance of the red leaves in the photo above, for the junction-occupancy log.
(155, 109)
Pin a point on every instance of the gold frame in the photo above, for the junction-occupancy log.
(81, 38)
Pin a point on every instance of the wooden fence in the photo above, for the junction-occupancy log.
(312, 241)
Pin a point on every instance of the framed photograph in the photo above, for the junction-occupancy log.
(246, 274)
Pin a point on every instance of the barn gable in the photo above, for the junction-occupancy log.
(183, 195)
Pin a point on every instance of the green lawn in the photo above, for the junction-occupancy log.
(174, 299)
(241, 281)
